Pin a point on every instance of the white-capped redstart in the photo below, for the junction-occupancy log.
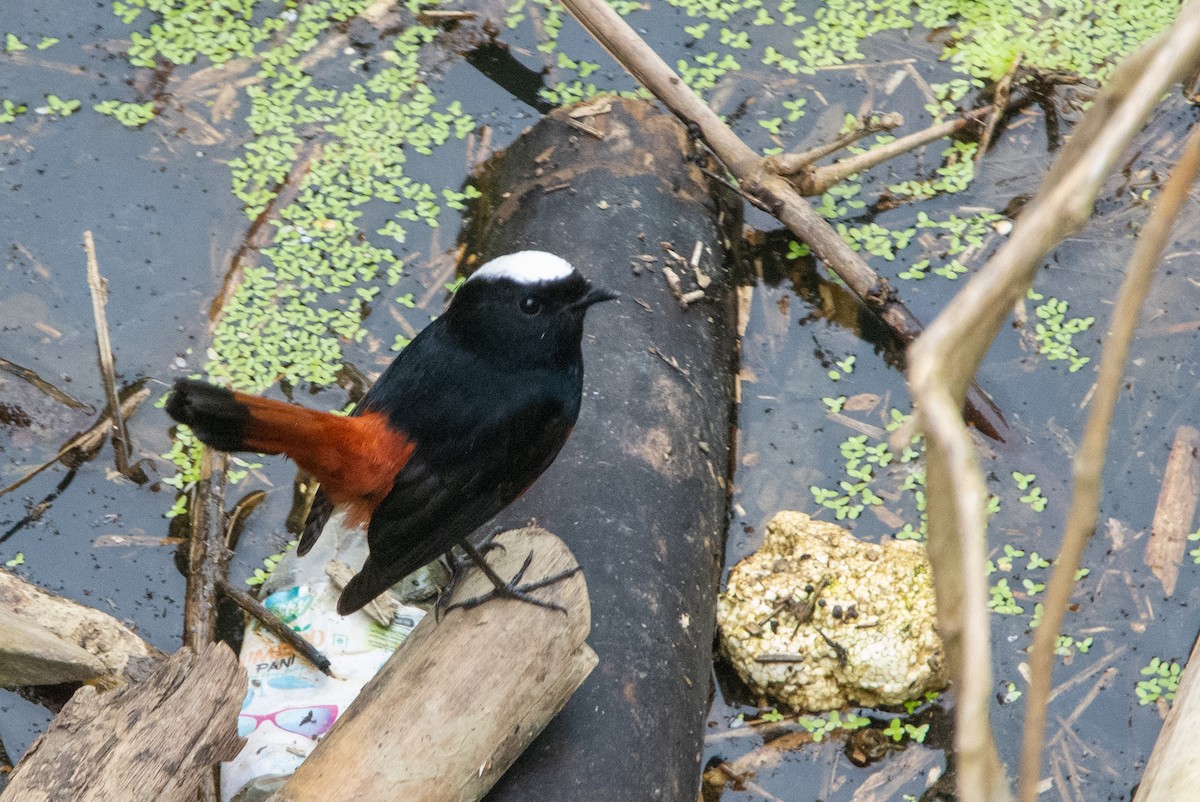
(468, 415)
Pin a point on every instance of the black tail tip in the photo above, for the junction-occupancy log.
(212, 412)
(186, 399)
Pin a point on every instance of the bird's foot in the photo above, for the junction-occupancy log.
(513, 589)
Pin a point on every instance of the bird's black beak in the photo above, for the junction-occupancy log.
(594, 296)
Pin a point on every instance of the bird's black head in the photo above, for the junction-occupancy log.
(526, 308)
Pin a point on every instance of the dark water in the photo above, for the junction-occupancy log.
(166, 224)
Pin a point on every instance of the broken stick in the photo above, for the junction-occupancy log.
(99, 289)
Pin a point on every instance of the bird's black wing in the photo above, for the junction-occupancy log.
(437, 500)
(314, 522)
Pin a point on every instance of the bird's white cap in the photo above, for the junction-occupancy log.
(525, 267)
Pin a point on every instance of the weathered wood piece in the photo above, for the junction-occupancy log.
(105, 650)
(454, 707)
(1173, 772)
(33, 655)
(1176, 507)
(639, 491)
(154, 740)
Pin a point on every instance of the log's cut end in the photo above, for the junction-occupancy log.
(34, 655)
(455, 706)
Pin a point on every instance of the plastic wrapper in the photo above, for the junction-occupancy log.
(289, 704)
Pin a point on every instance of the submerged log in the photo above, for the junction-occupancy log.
(156, 739)
(639, 492)
(451, 710)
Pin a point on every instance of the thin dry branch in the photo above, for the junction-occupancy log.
(774, 192)
(1089, 461)
(44, 386)
(810, 180)
(88, 441)
(794, 163)
(1002, 91)
(259, 612)
(944, 360)
(99, 289)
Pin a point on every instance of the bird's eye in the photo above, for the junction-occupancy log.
(530, 305)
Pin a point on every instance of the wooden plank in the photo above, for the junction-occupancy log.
(154, 740)
(454, 707)
(119, 654)
(1176, 507)
(1173, 772)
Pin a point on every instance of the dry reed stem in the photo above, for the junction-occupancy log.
(942, 364)
(99, 290)
(1089, 461)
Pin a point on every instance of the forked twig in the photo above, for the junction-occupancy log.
(775, 192)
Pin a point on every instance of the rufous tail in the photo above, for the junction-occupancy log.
(354, 458)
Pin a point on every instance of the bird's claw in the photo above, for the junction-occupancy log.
(513, 589)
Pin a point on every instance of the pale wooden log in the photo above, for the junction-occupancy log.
(1173, 771)
(118, 654)
(1176, 507)
(454, 707)
(154, 740)
(33, 655)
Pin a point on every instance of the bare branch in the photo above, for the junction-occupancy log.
(944, 359)
(820, 179)
(793, 163)
(1089, 461)
(775, 192)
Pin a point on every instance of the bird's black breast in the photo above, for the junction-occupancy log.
(452, 402)
(481, 436)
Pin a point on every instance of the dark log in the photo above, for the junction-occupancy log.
(639, 493)
(156, 740)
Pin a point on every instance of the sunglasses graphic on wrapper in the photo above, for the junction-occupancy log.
(311, 722)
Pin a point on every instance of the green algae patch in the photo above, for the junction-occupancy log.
(1085, 37)
(336, 149)
(306, 292)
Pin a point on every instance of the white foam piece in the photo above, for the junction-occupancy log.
(525, 267)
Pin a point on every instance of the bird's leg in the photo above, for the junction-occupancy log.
(512, 589)
(457, 563)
